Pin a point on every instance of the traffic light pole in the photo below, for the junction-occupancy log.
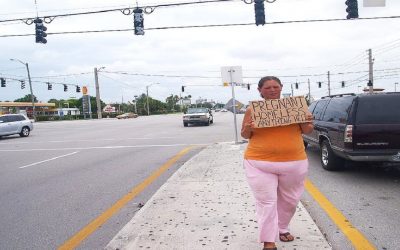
(30, 87)
(96, 80)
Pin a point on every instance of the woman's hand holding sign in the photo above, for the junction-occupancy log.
(308, 126)
(248, 125)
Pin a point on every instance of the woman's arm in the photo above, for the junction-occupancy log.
(308, 126)
(247, 125)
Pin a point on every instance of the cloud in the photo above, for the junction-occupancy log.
(295, 51)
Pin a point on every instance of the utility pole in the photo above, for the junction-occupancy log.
(233, 103)
(329, 83)
(96, 81)
(30, 87)
(147, 100)
(291, 85)
(371, 73)
(395, 86)
(309, 90)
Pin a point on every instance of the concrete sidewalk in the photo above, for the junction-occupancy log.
(207, 204)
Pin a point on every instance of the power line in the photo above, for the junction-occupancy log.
(206, 26)
(123, 10)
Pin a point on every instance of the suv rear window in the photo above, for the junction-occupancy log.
(378, 110)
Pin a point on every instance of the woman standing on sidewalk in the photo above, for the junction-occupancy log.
(276, 164)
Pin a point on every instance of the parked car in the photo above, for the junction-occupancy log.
(198, 116)
(127, 115)
(11, 124)
(362, 128)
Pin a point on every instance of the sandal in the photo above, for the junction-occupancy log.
(286, 237)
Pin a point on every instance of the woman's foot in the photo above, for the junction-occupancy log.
(286, 237)
(269, 246)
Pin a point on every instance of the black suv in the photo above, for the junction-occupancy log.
(364, 128)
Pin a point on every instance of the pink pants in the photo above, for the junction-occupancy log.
(277, 188)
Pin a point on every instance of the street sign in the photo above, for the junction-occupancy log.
(374, 3)
(84, 90)
(231, 74)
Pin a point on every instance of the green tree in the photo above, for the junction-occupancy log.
(27, 98)
(172, 102)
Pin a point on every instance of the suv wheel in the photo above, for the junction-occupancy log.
(24, 132)
(208, 123)
(329, 160)
(185, 124)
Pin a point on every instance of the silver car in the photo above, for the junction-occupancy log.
(198, 116)
(15, 124)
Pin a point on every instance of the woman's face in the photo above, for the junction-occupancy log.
(270, 90)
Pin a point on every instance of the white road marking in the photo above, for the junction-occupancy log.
(36, 163)
(105, 147)
(96, 140)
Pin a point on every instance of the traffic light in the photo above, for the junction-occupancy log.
(183, 88)
(297, 85)
(369, 84)
(22, 84)
(49, 86)
(342, 84)
(319, 84)
(3, 82)
(259, 12)
(248, 86)
(65, 88)
(352, 9)
(40, 31)
(138, 21)
(78, 89)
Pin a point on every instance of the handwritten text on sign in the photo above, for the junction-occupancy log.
(279, 112)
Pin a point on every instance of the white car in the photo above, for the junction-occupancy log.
(198, 116)
(11, 124)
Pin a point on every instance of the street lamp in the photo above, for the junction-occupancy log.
(30, 86)
(147, 96)
(395, 90)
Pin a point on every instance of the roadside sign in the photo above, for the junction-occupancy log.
(231, 74)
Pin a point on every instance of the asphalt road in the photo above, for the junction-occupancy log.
(368, 196)
(55, 182)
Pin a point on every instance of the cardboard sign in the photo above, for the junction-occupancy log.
(279, 112)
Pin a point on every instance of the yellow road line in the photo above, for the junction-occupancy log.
(357, 239)
(75, 240)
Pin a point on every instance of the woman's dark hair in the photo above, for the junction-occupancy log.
(268, 78)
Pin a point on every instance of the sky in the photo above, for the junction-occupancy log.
(164, 60)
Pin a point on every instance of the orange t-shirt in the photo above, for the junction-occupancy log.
(276, 144)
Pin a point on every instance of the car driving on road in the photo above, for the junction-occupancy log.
(11, 124)
(198, 116)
